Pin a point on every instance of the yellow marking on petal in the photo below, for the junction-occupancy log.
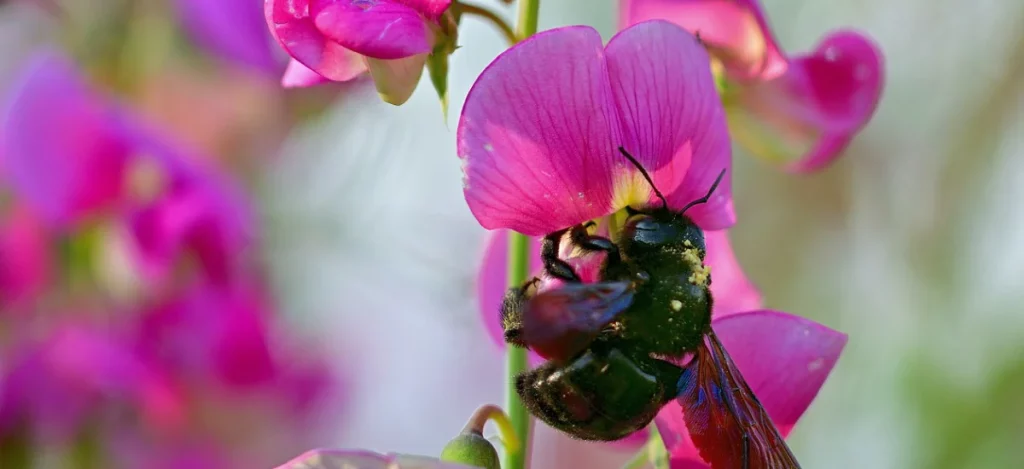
(630, 189)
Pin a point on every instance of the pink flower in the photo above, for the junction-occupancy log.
(800, 112)
(539, 136)
(541, 128)
(340, 39)
(360, 459)
(56, 384)
(25, 259)
(73, 157)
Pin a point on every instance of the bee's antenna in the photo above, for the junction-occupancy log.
(664, 203)
(704, 200)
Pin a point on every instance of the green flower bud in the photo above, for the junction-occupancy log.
(471, 448)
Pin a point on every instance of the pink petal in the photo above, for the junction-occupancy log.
(233, 29)
(538, 135)
(297, 75)
(382, 29)
(672, 116)
(784, 358)
(733, 292)
(362, 459)
(396, 79)
(736, 30)
(291, 24)
(432, 9)
(807, 116)
(62, 156)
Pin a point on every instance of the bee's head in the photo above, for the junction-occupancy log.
(662, 228)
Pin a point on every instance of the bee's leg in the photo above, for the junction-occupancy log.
(553, 265)
(581, 237)
(512, 312)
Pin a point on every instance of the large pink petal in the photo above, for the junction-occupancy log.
(736, 31)
(806, 117)
(672, 116)
(784, 358)
(538, 135)
(733, 292)
(383, 29)
(293, 27)
(62, 157)
(297, 75)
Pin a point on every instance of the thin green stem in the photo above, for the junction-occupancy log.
(518, 269)
(490, 16)
(527, 24)
(515, 359)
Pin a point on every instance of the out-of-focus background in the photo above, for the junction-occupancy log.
(911, 243)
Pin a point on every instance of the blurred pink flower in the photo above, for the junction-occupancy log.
(53, 386)
(341, 39)
(541, 128)
(800, 112)
(73, 157)
(224, 337)
(232, 29)
(361, 459)
(784, 358)
(25, 259)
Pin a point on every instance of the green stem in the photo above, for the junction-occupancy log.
(516, 360)
(527, 24)
(488, 15)
(518, 270)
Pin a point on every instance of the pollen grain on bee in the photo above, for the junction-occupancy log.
(676, 305)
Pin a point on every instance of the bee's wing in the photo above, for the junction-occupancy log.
(559, 323)
(727, 423)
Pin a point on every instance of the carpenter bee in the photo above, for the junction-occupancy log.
(617, 348)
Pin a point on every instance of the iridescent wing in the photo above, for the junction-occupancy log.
(560, 323)
(727, 423)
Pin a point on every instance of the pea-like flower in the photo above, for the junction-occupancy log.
(800, 112)
(542, 126)
(74, 157)
(539, 137)
(338, 40)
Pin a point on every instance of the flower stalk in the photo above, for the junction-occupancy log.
(516, 362)
(518, 270)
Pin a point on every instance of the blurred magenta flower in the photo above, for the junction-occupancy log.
(224, 338)
(75, 158)
(784, 358)
(233, 30)
(25, 259)
(360, 459)
(541, 128)
(340, 39)
(55, 385)
(800, 112)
